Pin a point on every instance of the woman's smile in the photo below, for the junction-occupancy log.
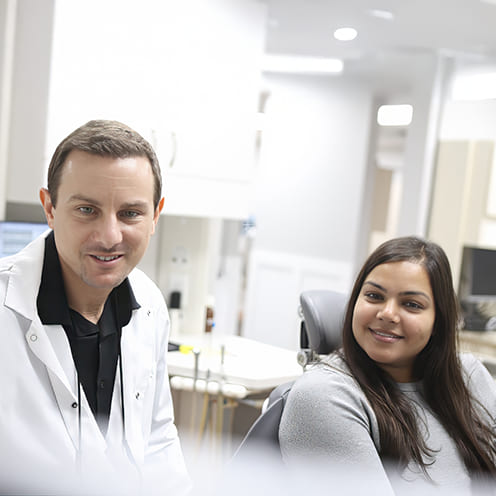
(394, 316)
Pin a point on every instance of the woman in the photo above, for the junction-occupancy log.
(397, 405)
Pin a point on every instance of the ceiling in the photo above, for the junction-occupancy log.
(386, 52)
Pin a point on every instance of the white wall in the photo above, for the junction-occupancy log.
(308, 199)
(181, 257)
(29, 100)
(468, 120)
(7, 23)
(427, 97)
(312, 161)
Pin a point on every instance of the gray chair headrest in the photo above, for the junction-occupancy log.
(323, 314)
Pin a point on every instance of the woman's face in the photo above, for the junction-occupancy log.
(394, 316)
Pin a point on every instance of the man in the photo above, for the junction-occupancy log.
(84, 334)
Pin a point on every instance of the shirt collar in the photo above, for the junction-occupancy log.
(52, 301)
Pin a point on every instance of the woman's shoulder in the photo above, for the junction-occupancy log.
(479, 381)
(328, 390)
(329, 380)
(471, 365)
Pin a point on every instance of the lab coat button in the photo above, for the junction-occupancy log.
(74, 405)
(33, 337)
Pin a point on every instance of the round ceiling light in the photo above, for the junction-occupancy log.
(345, 34)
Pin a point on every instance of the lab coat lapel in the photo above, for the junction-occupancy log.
(21, 297)
(68, 395)
(50, 346)
(137, 367)
(40, 345)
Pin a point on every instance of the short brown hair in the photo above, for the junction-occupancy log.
(104, 138)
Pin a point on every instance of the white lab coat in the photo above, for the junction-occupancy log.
(40, 434)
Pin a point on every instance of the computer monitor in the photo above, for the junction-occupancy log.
(478, 274)
(477, 288)
(14, 236)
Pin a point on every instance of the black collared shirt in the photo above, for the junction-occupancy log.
(95, 347)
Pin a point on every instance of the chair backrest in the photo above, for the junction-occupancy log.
(264, 433)
(323, 313)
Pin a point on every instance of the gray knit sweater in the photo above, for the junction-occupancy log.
(329, 429)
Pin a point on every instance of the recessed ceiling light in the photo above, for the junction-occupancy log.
(345, 34)
(383, 14)
(301, 65)
(492, 2)
(394, 115)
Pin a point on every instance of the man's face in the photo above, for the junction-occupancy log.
(103, 219)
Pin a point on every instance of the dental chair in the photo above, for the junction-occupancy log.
(322, 313)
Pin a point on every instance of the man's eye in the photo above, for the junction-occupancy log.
(130, 214)
(86, 210)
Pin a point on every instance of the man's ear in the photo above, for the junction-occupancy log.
(156, 215)
(46, 202)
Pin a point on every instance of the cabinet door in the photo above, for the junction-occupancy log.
(209, 122)
(185, 74)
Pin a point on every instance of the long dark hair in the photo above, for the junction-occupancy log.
(437, 366)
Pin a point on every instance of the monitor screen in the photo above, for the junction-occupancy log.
(14, 236)
(478, 274)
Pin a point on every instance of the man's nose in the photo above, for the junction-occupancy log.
(109, 231)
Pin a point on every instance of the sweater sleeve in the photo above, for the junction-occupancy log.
(328, 426)
(481, 384)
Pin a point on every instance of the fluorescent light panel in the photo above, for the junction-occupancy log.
(301, 65)
(394, 115)
(383, 14)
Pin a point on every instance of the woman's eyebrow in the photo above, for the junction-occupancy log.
(378, 286)
(402, 293)
(415, 293)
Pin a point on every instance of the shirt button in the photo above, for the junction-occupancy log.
(102, 384)
(74, 405)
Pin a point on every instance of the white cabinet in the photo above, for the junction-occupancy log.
(184, 73)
